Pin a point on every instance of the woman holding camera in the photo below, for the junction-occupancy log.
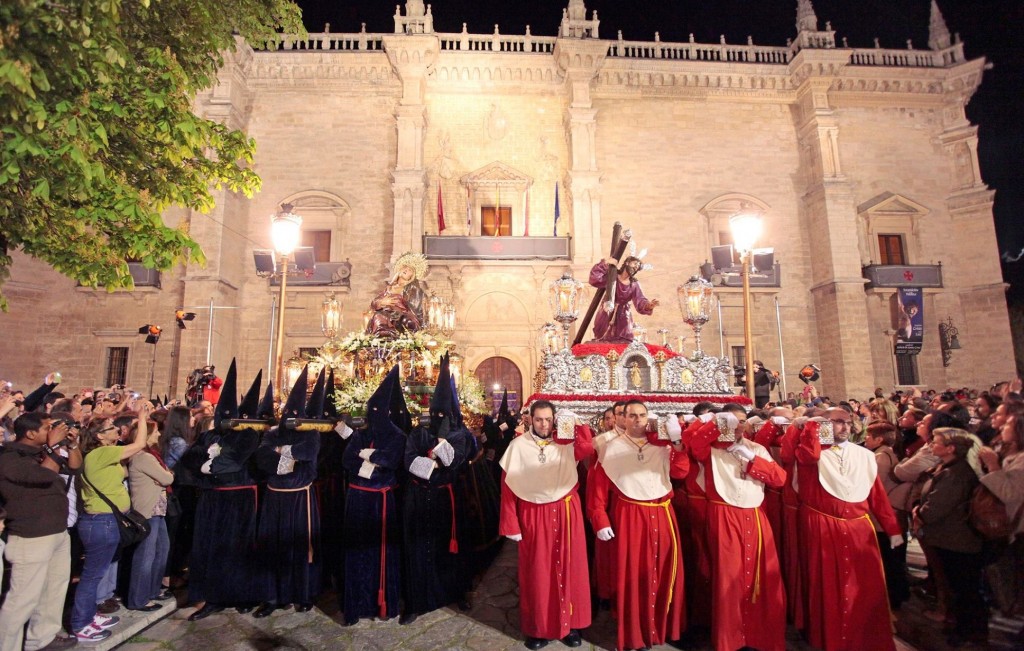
(148, 478)
(102, 472)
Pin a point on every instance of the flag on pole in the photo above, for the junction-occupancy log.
(557, 212)
(497, 215)
(526, 229)
(440, 210)
(469, 211)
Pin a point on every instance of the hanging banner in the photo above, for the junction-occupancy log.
(909, 320)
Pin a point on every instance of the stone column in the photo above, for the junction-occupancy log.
(580, 60)
(412, 57)
(830, 215)
(978, 307)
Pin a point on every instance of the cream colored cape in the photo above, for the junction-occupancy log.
(733, 486)
(638, 480)
(536, 482)
(858, 476)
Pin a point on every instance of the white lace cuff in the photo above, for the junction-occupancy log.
(286, 464)
(366, 470)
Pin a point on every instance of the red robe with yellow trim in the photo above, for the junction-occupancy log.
(647, 559)
(691, 506)
(554, 582)
(846, 604)
(746, 579)
(789, 544)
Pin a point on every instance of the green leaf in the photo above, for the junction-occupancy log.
(41, 189)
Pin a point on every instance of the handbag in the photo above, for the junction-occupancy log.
(132, 526)
(988, 516)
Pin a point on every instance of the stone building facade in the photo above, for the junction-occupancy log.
(861, 160)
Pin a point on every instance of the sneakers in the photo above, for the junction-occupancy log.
(103, 622)
(91, 634)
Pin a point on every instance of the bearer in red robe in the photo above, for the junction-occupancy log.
(844, 586)
(604, 579)
(541, 510)
(746, 581)
(631, 504)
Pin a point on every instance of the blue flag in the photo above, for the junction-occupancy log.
(557, 212)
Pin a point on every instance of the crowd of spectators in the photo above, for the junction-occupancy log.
(65, 463)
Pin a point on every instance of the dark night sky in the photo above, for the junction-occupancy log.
(989, 28)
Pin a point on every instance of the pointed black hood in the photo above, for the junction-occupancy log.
(295, 406)
(315, 406)
(386, 410)
(227, 406)
(250, 403)
(503, 412)
(265, 410)
(330, 406)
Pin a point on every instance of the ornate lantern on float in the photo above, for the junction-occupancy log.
(695, 304)
(564, 296)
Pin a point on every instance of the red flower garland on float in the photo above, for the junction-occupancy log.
(582, 350)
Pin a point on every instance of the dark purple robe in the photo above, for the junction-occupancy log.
(617, 327)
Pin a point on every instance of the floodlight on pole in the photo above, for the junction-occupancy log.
(286, 233)
(746, 226)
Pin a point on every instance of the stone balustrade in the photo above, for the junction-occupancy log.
(619, 48)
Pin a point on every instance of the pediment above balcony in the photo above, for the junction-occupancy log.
(892, 204)
(497, 174)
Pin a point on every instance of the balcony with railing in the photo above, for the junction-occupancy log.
(903, 275)
(463, 41)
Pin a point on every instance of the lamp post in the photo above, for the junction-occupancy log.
(695, 303)
(746, 228)
(285, 232)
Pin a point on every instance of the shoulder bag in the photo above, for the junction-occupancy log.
(131, 525)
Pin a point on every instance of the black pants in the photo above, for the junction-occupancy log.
(894, 561)
(964, 574)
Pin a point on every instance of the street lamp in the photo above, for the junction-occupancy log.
(285, 232)
(746, 228)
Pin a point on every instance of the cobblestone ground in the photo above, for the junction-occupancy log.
(492, 624)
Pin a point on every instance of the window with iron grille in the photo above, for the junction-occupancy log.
(906, 370)
(117, 366)
(739, 359)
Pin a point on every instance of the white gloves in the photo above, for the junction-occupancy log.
(674, 429)
(781, 421)
(365, 453)
(896, 541)
(516, 537)
(366, 470)
(503, 427)
(422, 467)
(444, 452)
(706, 417)
(605, 534)
(286, 464)
(741, 452)
(343, 430)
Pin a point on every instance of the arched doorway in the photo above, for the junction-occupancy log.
(497, 374)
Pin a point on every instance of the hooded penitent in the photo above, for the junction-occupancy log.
(223, 553)
(372, 526)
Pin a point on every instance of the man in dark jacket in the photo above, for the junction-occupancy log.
(38, 545)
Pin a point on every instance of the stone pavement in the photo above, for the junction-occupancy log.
(492, 624)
